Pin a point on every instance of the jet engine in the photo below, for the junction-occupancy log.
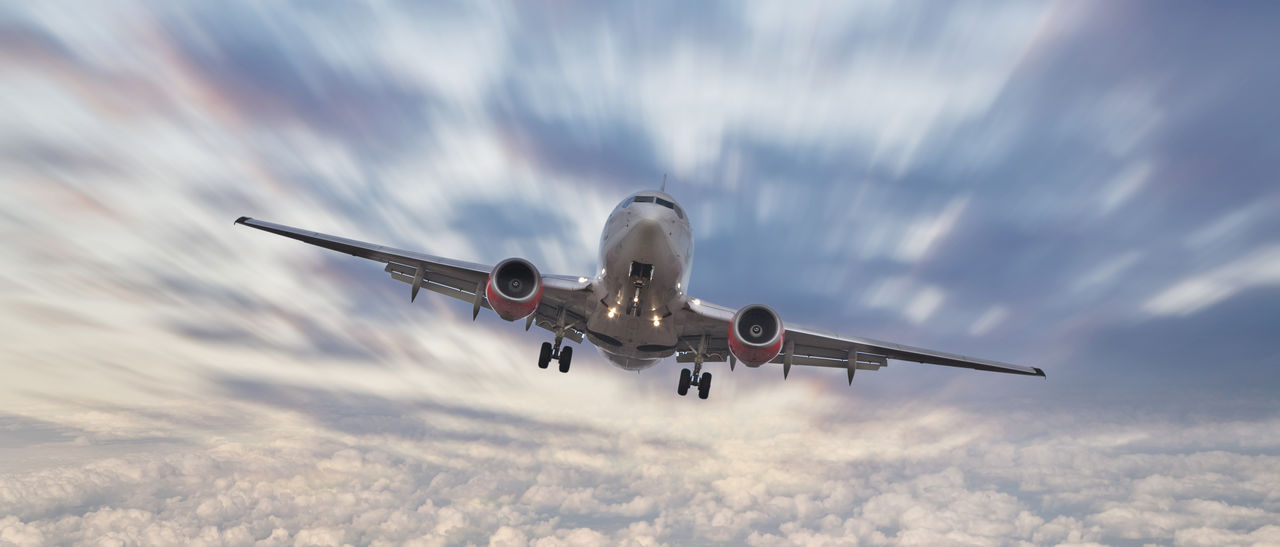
(514, 289)
(755, 335)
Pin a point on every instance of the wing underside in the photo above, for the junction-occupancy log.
(564, 298)
(707, 327)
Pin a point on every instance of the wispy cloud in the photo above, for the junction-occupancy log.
(1256, 270)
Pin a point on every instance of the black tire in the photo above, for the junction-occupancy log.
(544, 356)
(704, 386)
(566, 357)
(686, 378)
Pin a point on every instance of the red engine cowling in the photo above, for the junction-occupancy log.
(755, 335)
(514, 289)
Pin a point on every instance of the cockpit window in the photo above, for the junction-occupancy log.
(626, 203)
(671, 206)
(657, 200)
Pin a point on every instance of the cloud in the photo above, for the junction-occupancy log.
(923, 304)
(1125, 186)
(915, 304)
(989, 319)
(900, 473)
(817, 136)
(925, 233)
(1258, 269)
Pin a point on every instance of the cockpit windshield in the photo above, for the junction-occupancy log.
(653, 199)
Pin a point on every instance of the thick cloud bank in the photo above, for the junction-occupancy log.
(362, 469)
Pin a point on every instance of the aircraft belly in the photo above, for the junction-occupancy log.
(653, 241)
(631, 339)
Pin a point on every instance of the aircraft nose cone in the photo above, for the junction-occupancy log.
(647, 226)
(649, 232)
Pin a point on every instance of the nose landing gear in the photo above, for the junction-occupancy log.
(641, 274)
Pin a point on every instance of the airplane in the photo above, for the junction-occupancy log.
(635, 309)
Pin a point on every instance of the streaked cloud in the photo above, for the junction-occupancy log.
(1258, 269)
(989, 320)
(924, 234)
(1125, 186)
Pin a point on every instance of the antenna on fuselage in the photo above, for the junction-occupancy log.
(664, 184)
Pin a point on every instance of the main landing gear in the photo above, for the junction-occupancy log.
(687, 378)
(562, 355)
(697, 378)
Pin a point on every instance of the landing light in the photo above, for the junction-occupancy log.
(613, 312)
(697, 302)
(582, 280)
(657, 322)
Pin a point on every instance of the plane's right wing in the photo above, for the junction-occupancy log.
(707, 325)
(564, 298)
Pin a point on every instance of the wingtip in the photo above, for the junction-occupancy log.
(1039, 372)
(240, 220)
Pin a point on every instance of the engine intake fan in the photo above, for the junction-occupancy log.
(514, 289)
(755, 335)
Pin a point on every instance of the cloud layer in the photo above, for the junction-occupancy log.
(328, 467)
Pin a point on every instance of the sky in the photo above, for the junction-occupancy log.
(1091, 188)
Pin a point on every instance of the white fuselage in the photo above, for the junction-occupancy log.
(646, 251)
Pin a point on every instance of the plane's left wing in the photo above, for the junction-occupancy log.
(564, 298)
(706, 326)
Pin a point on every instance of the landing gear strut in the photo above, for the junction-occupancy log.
(697, 378)
(641, 274)
(564, 355)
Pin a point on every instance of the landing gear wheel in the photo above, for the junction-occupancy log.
(566, 356)
(685, 378)
(544, 356)
(704, 385)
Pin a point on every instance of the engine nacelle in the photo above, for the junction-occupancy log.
(514, 289)
(755, 335)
